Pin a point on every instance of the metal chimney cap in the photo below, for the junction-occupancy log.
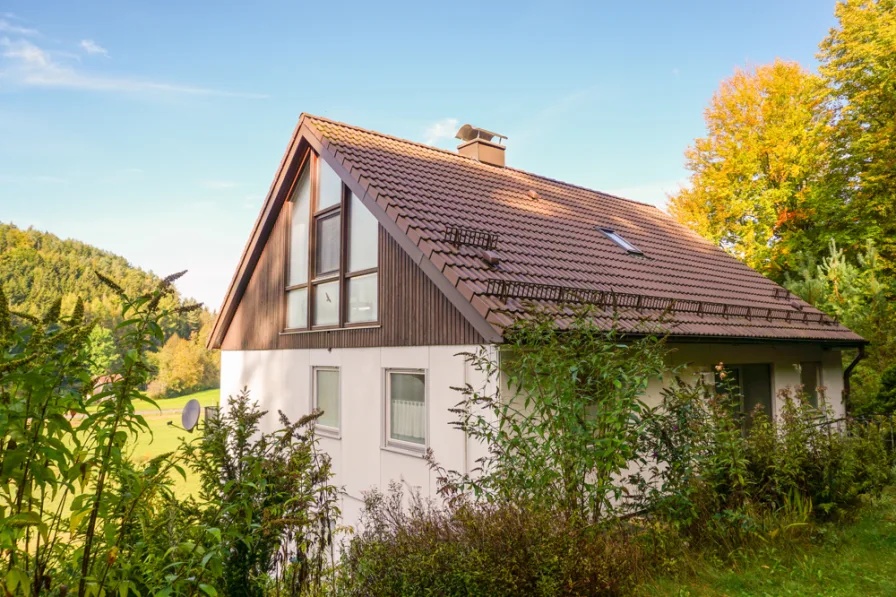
(468, 132)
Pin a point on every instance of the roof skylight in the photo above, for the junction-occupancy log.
(616, 238)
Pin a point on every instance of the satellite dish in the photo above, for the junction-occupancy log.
(190, 416)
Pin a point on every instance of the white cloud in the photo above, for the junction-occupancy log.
(91, 47)
(7, 27)
(25, 64)
(443, 129)
(675, 71)
(217, 185)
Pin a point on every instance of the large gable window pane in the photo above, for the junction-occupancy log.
(362, 246)
(297, 308)
(407, 407)
(326, 397)
(328, 240)
(326, 303)
(298, 235)
(330, 192)
(362, 299)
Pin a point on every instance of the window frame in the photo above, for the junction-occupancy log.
(397, 445)
(621, 241)
(813, 392)
(334, 432)
(314, 161)
(742, 413)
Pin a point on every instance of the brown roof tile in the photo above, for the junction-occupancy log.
(554, 238)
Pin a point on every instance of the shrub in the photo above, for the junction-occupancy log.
(270, 496)
(715, 482)
(71, 494)
(569, 423)
(78, 516)
(415, 548)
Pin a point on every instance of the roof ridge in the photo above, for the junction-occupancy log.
(473, 161)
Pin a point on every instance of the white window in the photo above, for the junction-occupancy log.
(326, 397)
(406, 408)
(810, 378)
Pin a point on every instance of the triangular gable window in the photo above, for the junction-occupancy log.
(333, 253)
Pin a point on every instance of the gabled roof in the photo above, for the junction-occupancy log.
(549, 245)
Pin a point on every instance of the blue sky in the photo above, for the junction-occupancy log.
(153, 129)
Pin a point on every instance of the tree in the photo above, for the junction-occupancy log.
(185, 365)
(101, 351)
(885, 402)
(858, 63)
(753, 177)
(854, 292)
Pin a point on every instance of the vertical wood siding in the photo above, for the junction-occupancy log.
(412, 311)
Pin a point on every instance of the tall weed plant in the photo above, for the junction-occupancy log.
(79, 517)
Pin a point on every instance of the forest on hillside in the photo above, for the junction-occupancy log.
(796, 176)
(38, 268)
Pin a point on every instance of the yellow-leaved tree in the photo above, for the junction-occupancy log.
(754, 174)
(185, 365)
(858, 62)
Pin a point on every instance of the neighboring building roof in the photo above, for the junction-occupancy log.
(549, 243)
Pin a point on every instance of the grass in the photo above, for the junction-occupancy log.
(167, 434)
(205, 398)
(849, 560)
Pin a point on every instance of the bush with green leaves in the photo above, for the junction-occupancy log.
(714, 479)
(411, 547)
(271, 496)
(78, 516)
(567, 424)
(68, 491)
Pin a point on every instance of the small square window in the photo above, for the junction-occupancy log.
(616, 238)
(326, 303)
(328, 241)
(406, 409)
(297, 308)
(362, 298)
(326, 397)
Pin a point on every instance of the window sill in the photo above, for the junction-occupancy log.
(328, 432)
(414, 453)
(325, 330)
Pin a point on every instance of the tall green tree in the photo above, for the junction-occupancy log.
(755, 174)
(858, 64)
(101, 350)
(854, 291)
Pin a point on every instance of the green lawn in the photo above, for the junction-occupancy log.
(856, 560)
(205, 398)
(167, 433)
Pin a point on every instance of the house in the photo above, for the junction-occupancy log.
(375, 260)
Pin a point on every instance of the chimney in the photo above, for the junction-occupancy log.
(477, 144)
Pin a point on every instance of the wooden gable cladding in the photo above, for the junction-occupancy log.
(412, 310)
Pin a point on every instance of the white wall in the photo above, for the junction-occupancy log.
(281, 380)
(783, 359)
